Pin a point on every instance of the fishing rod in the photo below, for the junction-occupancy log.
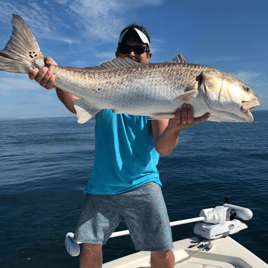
(212, 223)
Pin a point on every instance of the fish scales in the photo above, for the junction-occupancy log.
(125, 86)
(158, 81)
(175, 77)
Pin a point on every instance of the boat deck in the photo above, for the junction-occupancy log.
(224, 253)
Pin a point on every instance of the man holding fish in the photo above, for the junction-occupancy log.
(124, 183)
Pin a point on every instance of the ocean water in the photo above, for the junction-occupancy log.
(45, 165)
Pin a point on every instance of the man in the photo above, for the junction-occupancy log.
(124, 183)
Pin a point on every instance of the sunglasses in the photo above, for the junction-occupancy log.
(125, 49)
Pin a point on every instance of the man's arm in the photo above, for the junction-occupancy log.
(67, 99)
(46, 79)
(166, 132)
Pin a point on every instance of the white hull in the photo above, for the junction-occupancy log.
(224, 253)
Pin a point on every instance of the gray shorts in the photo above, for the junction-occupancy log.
(143, 210)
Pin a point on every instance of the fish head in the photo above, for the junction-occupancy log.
(227, 94)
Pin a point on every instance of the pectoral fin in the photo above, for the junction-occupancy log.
(186, 96)
(84, 110)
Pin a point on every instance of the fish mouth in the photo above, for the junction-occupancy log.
(249, 105)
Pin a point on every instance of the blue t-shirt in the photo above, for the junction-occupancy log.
(125, 157)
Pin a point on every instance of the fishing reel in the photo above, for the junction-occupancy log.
(222, 221)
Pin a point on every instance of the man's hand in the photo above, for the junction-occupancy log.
(184, 117)
(166, 132)
(45, 76)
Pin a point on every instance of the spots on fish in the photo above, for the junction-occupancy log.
(32, 54)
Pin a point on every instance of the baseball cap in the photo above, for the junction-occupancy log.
(131, 32)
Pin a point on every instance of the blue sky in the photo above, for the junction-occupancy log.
(227, 35)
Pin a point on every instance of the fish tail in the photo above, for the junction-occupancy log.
(21, 53)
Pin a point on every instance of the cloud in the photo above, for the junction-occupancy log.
(227, 59)
(233, 58)
(247, 77)
(95, 19)
(80, 63)
(3, 93)
(13, 83)
(106, 55)
(38, 18)
(100, 19)
(67, 40)
(33, 14)
(43, 97)
(263, 98)
(24, 102)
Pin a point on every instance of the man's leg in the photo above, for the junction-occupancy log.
(99, 218)
(147, 220)
(162, 259)
(91, 256)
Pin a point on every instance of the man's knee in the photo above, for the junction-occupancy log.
(91, 248)
(162, 253)
(91, 256)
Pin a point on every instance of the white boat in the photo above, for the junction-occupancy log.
(211, 248)
(223, 253)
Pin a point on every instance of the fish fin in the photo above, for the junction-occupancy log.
(21, 53)
(116, 111)
(179, 59)
(116, 63)
(119, 63)
(161, 116)
(186, 96)
(84, 110)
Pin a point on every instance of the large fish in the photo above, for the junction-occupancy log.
(125, 86)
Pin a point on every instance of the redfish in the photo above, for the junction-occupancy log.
(125, 86)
